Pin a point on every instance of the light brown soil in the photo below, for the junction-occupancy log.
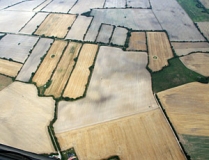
(142, 136)
(159, 50)
(4, 81)
(187, 108)
(198, 62)
(79, 78)
(9, 68)
(49, 63)
(63, 70)
(56, 25)
(137, 41)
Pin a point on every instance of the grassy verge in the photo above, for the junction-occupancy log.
(172, 76)
(196, 11)
(196, 146)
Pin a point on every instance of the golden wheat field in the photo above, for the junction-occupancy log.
(159, 50)
(79, 78)
(49, 63)
(63, 70)
(9, 68)
(141, 136)
(187, 108)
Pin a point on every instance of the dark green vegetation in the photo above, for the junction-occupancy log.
(196, 146)
(67, 153)
(172, 76)
(196, 11)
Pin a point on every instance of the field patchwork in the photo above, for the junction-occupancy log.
(4, 81)
(204, 28)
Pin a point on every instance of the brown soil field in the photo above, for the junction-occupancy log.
(63, 70)
(137, 41)
(159, 50)
(141, 136)
(49, 63)
(198, 62)
(187, 108)
(56, 25)
(79, 78)
(24, 118)
(184, 48)
(4, 81)
(9, 68)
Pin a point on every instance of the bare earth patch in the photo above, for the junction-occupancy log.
(198, 62)
(24, 118)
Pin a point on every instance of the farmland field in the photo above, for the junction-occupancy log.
(117, 78)
(198, 62)
(34, 60)
(56, 25)
(138, 4)
(205, 3)
(59, 6)
(84, 6)
(18, 43)
(49, 63)
(159, 50)
(105, 33)
(115, 4)
(187, 110)
(204, 28)
(12, 25)
(77, 32)
(32, 115)
(129, 138)
(119, 36)
(122, 17)
(137, 42)
(6, 3)
(9, 68)
(4, 81)
(184, 48)
(63, 70)
(33, 23)
(77, 83)
(42, 5)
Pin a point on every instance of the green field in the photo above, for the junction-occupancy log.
(195, 10)
(172, 76)
(196, 146)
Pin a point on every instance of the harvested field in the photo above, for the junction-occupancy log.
(159, 50)
(9, 68)
(118, 76)
(42, 5)
(115, 4)
(204, 28)
(129, 138)
(25, 118)
(56, 25)
(16, 47)
(4, 81)
(145, 20)
(179, 29)
(12, 25)
(59, 6)
(34, 60)
(119, 36)
(6, 3)
(77, 83)
(105, 33)
(63, 70)
(34, 23)
(187, 108)
(49, 63)
(84, 6)
(184, 48)
(196, 146)
(26, 5)
(137, 42)
(198, 62)
(77, 32)
(205, 3)
(138, 4)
